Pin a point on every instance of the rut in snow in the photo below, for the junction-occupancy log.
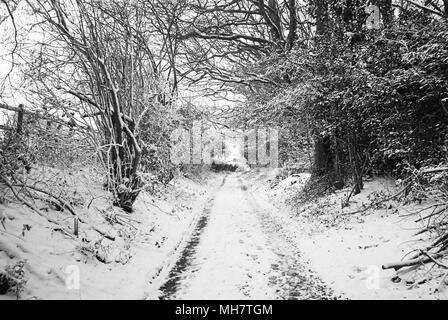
(238, 250)
(170, 287)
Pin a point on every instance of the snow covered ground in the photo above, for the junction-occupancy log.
(223, 236)
(122, 268)
(237, 252)
(348, 250)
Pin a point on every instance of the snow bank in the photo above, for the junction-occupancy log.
(122, 268)
(348, 250)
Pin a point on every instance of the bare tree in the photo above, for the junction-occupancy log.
(221, 39)
(98, 67)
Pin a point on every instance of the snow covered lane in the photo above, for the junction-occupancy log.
(237, 252)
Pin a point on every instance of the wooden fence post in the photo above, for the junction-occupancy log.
(20, 119)
(76, 226)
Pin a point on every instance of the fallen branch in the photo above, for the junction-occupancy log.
(441, 240)
(157, 207)
(412, 262)
(433, 213)
(374, 204)
(434, 170)
(431, 228)
(122, 221)
(127, 218)
(434, 260)
(104, 233)
(64, 232)
(63, 204)
(425, 8)
(29, 204)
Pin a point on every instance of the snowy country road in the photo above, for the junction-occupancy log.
(238, 251)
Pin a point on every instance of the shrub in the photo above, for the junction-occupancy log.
(13, 279)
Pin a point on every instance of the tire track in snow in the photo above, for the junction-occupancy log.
(291, 275)
(231, 261)
(171, 286)
(239, 250)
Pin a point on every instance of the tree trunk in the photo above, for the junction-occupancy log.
(322, 156)
(322, 17)
(292, 35)
(322, 145)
